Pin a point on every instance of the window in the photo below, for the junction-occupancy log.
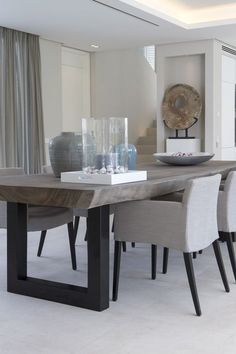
(149, 53)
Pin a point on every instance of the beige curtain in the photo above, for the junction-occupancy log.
(21, 117)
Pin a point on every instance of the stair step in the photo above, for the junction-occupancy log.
(145, 158)
(147, 140)
(146, 149)
(151, 131)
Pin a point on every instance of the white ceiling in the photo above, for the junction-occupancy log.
(80, 23)
(190, 13)
(193, 4)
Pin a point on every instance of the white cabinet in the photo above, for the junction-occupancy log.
(228, 154)
(228, 115)
(228, 69)
(227, 126)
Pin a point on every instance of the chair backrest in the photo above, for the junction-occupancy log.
(200, 200)
(3, 205)
(227, 204)
(39, 218)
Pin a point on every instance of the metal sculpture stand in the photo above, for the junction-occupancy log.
(186, 131)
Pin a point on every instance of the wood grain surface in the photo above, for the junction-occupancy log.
(48, 190)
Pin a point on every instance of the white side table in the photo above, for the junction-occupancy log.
(183, 145)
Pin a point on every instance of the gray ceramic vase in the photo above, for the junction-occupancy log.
(66, 153)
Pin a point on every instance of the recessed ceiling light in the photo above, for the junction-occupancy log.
(94, 46)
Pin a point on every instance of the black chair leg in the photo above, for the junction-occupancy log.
(192, 283)
(70, 228)
(124, 246)
(112, 228)
(200, 252)
(41, 242)
(116, 270)
(76, 226)
(154, 261)
(165, 260)
(233, 236)
(220, 263)
(221, 236)
(86, 233)
(133, 244)
(230, 247)
(194, 255)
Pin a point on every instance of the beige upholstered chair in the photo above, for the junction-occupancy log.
(41, 218)
(188, 226)
(227, 215)
(77, 213)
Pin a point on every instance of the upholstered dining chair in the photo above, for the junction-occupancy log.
(227, 215)
(188, 226)
(77, 214)
(41, 218)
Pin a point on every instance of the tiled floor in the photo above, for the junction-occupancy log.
(149, 317)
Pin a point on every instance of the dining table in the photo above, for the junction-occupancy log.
(47, 190)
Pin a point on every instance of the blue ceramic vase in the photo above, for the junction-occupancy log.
(132, 157)
(132, 154)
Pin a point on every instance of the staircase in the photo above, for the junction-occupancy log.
(147, 145)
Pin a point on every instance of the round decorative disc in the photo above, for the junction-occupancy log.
(181, 104)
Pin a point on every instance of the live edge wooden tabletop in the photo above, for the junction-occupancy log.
(48, 190)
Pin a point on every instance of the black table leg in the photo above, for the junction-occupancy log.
(94, 297)
(16, 244)
(98, 256)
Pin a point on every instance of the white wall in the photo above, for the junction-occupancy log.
(124, 85)
(190, 70)
(75, 88)
(198, 62)
(65, 88)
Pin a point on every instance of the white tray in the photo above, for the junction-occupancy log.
(81, 177)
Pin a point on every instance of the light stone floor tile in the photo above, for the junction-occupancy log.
(150, 317)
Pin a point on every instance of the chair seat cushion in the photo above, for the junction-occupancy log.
(44, 218)
(84, 212)
(80, 212)
(171, 197)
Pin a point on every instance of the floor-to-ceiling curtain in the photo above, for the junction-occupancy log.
(21, 116)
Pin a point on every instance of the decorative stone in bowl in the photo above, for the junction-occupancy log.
(183, 158)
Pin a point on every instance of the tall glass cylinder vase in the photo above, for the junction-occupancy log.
(118, 141)
(88, 134)
(110, 136)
